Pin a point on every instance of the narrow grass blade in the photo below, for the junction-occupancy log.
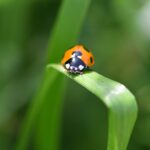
(66, 31)
(35, 109)
(65, 35)
(118, 99)
(49, 120)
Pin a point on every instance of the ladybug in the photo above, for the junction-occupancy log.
(77, 59)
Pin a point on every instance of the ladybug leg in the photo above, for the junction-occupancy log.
(69, 71)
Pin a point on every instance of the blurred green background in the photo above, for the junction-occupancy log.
(118, 34)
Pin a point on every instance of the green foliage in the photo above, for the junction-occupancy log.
(117, 33)
(64, 35)
(67, 27)
(48, 104)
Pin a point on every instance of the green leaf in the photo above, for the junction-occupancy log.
(118, 99)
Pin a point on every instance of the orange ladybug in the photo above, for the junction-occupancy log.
(77, 59)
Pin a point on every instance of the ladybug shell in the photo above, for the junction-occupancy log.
(86, 56)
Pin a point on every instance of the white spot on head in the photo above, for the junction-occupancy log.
(67, 66)
(73, 59)
(81, 67)
(80, 57)
(71, 67)
(73, 55)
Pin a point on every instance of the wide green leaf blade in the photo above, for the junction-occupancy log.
(118, 99)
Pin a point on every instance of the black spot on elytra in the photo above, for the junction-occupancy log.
(86, 49)
(91, 59)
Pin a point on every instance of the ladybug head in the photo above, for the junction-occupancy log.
(76, 54)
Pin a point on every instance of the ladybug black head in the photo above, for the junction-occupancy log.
(76, 54)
